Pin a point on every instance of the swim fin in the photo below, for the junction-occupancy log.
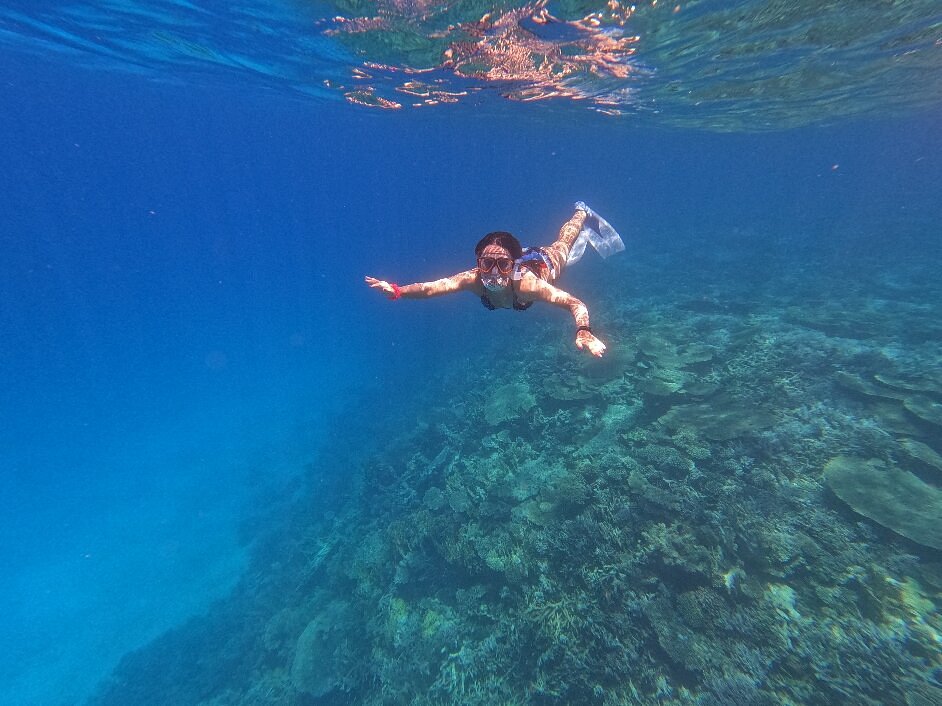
(598, 233)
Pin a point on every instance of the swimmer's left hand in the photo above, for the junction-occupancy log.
(586, 341)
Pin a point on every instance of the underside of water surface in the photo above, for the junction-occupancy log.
(745, 66)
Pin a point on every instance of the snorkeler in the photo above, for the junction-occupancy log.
(509, 276)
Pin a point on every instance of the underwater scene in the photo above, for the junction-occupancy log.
(668, 430)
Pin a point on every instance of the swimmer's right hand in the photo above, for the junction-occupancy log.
(382, 285)
(585, 341)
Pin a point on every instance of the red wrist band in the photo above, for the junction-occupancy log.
(397, 291)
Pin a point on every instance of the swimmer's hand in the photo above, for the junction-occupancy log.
(381, 285)
(586, 341)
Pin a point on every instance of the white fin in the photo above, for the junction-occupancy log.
(598, 233)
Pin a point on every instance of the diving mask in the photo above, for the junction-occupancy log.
(504, 265)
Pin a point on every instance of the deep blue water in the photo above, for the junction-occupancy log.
(182, 309)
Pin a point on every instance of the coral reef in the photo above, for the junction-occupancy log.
(667, 527)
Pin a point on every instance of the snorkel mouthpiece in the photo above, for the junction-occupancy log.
(495, 283)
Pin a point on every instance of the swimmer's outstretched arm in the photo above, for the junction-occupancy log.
(543, 291)
(460, 282)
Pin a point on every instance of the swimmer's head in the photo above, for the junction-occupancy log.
(496, 253)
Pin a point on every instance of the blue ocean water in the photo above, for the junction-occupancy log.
(183, 318)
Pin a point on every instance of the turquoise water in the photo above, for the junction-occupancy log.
(232, 474)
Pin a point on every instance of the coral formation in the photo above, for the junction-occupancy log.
(318, 666)
(895, 498)
(508, 402)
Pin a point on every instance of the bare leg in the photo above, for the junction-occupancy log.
(558, 252)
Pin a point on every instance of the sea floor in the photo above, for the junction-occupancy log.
(681, 522)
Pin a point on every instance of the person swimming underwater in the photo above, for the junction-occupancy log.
(508, 276)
